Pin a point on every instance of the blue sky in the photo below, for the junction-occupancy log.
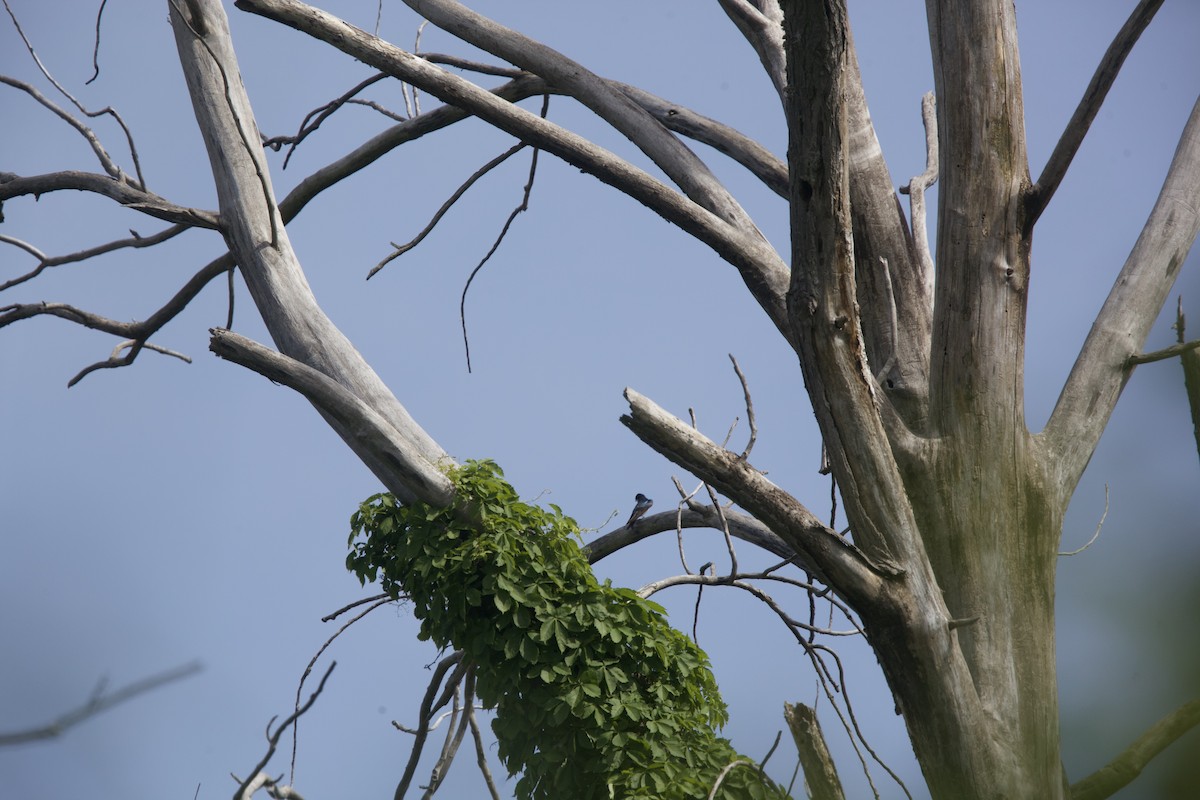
(167, 512)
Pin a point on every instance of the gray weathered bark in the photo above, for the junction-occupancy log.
(913, 368)
(955, 506)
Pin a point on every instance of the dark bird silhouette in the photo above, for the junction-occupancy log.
(639, 508)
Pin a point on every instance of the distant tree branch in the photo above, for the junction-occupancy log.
(1121, 771)
(1089, 106)
(100, 701)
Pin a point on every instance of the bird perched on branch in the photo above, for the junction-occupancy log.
(640, 507)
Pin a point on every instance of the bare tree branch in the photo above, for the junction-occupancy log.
(115, 359)
(1119, 772)
(317, 116)
(820, 773)
(401, 249)
(96, 48)
(298, 325)
(916, 186)
(45, 261)
(1138, 294)
(761, 267)
(761, 22)
(480, 755)
(741, 526)
(87, 133)
(674, 158)
(256, 776)
(124, 193)
(521, 207)
(137, 167)
(835, 560)
(428, 707)
(356, 419)
(100, 701)
(1089, 106)
(760, 161)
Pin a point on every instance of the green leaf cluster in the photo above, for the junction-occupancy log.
(596, 696)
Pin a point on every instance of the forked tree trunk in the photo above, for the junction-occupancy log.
(955, 496)
(956, 509)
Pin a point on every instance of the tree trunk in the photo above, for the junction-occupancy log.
(954, 495)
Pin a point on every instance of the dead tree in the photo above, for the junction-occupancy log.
(913, 365)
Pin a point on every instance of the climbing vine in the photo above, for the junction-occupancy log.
(596, 696)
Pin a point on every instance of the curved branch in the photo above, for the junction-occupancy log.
(256, 777)
(836, 561)
(259, 242)
(680, 164)
(137, 167)
(762, 269)
(760, 161)
(87, 133)
(1089, 106)
(127, 195)
(45, 261)
(1119, 772)
(741, 526)
(428, 707)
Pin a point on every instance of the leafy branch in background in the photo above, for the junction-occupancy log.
(595, 694)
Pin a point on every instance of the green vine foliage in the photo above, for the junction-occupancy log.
(596, 696)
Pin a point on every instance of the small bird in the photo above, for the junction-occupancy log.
(641, 506)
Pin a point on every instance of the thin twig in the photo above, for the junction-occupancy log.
(1099, 525)
(749, 408)
(1162, 355)
(320, 114)
(96, 49)
(308, 670)
(273, 738)
(462, 303)
(334, 615)
(136, 240)
(401, 249)
(137, 167)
